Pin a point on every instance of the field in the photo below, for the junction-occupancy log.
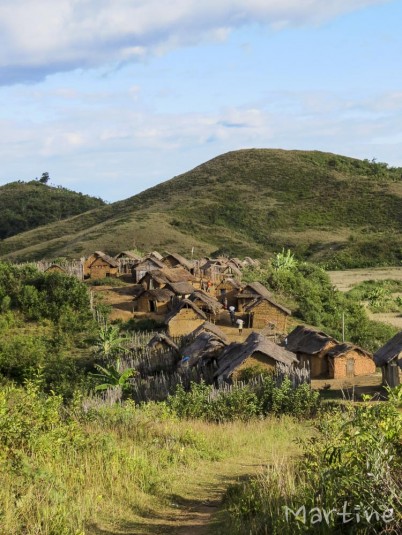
(346, 280)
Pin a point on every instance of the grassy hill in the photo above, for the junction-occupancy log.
(329, 208)
(27, 205)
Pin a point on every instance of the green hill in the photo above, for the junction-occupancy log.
(329, 208)
(27, 205)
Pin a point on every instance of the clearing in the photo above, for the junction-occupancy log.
(345, 280)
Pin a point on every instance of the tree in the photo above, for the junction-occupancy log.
(44, 179)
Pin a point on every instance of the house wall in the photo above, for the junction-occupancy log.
(242, 302)
(100, 269)
(143, 305)
(319, 366)
(231, 293)
(185, 322)
(363, 365)
(256, 360)
(265, 313)
(141, 269)
(390, 375)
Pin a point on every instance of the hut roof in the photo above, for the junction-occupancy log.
(137, 290)
(342, 348)
(392, 349)
(180, 259)
(128, 254)
(236, 284)
(156, 254)
(205, 346)
(181, 288)
(250, 261)
(208, 300)
(255, 289)
(161, 338)
(149, 258)
(258, 300)
(212, 328)
(307, 340)
(237, 262)
(106, 258)
(185, 303)
(166, 275)
(235, 354)
(55, 266)
(162, 295)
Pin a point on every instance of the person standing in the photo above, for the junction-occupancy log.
(240, 324)
(232, 314)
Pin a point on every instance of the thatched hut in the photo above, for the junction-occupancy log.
(209, 327)
(327, 357)
(172, 260)
(161, 342)
(159, 278)
(249, 293)
(389, 359)
(126, 260)
(203, 353)
(184, 319)
(264, 312)
(257, 353)
(100, 265)
(145, 266)
(228, 289)
(181, 290)
(158, 301)
(128, 255)
(206, 302)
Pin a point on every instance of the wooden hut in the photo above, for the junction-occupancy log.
(249, 293)
(209, 327)
(228, 289)
(159, 278)
(128, 255)
(161, 342)
(99, 266)
(126, 260)
(326, 357)
(158, 301)
(144, 266)
(257, 353)
(264, 312)
(184, 319)
(389, 359)
(202, 353)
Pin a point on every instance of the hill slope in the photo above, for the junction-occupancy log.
(27, 205)
(325, 207)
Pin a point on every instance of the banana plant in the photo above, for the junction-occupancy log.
(111, 376)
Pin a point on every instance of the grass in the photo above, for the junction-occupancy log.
(340, 211)
(119, 469)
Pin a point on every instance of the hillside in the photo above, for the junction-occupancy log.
(28, 205)
(329, 208)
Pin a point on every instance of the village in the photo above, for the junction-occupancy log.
(231, 329)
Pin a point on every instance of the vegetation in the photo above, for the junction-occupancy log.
(379, 295)
(28, 205)
(339, 211)
(307, 289)
(353, 465)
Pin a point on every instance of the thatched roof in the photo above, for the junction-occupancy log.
(235, 354)
(180, 259)
(208, 301)
(57, 267)
(180, 288)
(185, 303)
(343, 348)
(205, 346)
(162, 295)
(250, 261)
(157, 263)
(207, 326)
(156, 254)
(128, 254)
(388, 352)
(233, 282)
(163, 339)
(258, 300)
(307, 340)
(254, 290)
(106, 258)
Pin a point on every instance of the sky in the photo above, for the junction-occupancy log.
(111, 97)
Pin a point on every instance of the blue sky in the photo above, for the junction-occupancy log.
(112, 97)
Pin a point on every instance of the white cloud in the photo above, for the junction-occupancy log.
(40, 37)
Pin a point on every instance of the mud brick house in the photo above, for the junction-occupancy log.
(256, 354)
(184, 319)
(228, 288)
(218, 269)
(389, 359)
(264, 313)
(144, 266)
(249, 293)
(158, 301)
(172, 260)
(327, 357)
(99, 266)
